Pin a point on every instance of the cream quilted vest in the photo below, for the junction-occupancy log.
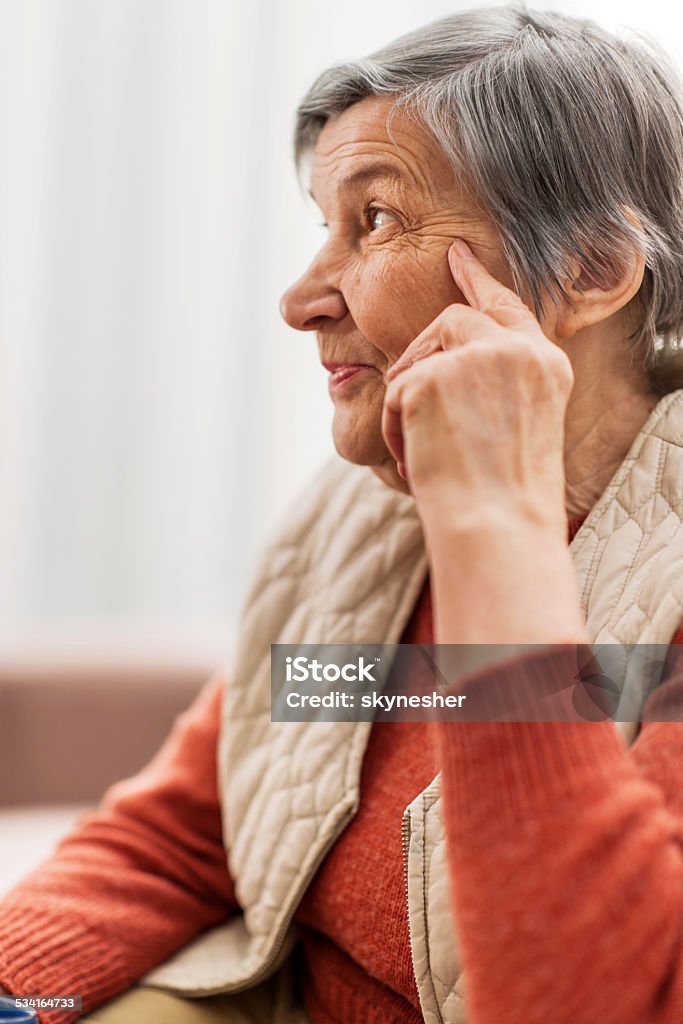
(348, 568)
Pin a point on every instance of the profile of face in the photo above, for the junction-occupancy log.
(392, 209)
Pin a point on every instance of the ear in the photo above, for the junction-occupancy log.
(591, 300)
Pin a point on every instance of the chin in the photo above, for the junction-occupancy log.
(362, 447)
(370, 451)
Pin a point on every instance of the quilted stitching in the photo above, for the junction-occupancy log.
(293, 784)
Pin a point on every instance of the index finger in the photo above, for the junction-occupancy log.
(482, 290)
(424, 345)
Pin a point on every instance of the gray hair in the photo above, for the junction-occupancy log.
(559, 128)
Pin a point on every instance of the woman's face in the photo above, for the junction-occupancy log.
(392, 210)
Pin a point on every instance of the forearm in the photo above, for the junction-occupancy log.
(135, 881)
(558, 845)
(565, 866)
(44, 951)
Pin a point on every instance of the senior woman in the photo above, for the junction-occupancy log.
(495, 303)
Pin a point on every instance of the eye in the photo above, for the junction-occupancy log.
(379, 218)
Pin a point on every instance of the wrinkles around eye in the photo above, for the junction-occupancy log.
(374, 211)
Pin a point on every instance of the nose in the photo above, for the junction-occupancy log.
(311, 301)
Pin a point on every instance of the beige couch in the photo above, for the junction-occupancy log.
(67, 730)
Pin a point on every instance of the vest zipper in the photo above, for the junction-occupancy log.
(405, 844)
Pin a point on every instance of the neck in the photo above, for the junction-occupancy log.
(602, 422)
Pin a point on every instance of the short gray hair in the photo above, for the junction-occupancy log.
(559, 128)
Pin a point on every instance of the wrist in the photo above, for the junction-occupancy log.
(450, 514)
(503, 580)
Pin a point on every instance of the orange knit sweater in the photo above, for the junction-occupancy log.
(565, 854)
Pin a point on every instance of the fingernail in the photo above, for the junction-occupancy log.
(463, 250)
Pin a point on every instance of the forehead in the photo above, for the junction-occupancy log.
(358, 144)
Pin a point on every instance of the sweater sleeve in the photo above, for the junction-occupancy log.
(136, 880)
(566, 860)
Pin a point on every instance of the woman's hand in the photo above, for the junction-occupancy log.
(475, 407)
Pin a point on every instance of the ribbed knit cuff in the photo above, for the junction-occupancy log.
(43, 956)
(504, 768)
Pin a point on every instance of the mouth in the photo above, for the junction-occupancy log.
(341, 373)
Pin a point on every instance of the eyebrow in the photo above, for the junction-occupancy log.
(371, 172)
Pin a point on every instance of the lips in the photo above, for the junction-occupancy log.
(334, 366)
(340, 373)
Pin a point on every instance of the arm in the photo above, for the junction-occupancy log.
(138, 878)
(565, 849)
(566, 864)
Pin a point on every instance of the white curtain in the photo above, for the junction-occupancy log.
(155, 415)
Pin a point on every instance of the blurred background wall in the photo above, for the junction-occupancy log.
(156, 417)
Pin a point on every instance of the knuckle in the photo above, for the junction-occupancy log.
(424, 385)
(450, 323)
(475, 355)
(452, 314)
(546, 362)
(508, 302)
(564, 375)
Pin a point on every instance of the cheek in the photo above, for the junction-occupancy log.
(394, 295)
(380, 298)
